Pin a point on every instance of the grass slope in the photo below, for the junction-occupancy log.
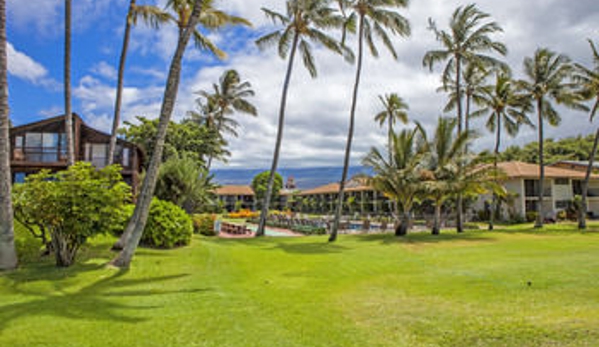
(478, 289)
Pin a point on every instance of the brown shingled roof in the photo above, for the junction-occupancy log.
(333, 188)
(517, 169)
(234, 190)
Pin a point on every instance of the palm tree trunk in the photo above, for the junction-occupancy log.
(582, 211)
(8, 255)
(467, 118)
(275, 159)
(119, 89)
(437, 218)
(350, 134)
(136, 225)
(495, 155)
(67, 84)
(460, 200)
(402, 230)
(539, 222)
(390, 139)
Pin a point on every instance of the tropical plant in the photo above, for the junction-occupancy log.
(130, 238)
(588, 81)
(260, 186)
(507, 110)
(68, 113)
(303, 21)
(229, 96)
(8, 255)
(395, 108)
(398, 176)
(547, 79)
(447, 170)
(466, 42)
(185, 183)
(72, 205)
(374, 17)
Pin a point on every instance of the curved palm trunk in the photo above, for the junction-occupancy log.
(136, 225)
(539, 222)
(437, 218)
(459, 202)
(495, 155)
(582, 211)
(275, 159)
(350, 134)
(8, 255)
(119, 89)
(67, 85)
(402, 229)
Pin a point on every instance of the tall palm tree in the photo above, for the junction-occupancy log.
(303, 21)
(374, 17)
(210, 18)
(507, 111)
(547, 79)
(179, 12)
(397, 177)
(395, 108)
(229, 96)
(8, 255)
(474, 77)
(588, 81)
(467, 41)
(68, 113)
(138, 221)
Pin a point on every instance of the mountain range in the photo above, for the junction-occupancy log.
(305, 178)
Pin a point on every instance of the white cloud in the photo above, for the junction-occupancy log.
(103, 69)
(26, 68)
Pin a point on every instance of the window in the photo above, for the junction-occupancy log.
(18, 153)
(562, 181)
(562, 204)
(125, 157)
(531, 188)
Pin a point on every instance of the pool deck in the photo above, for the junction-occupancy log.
(288, 233)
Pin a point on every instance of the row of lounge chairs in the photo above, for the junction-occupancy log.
(234, 229)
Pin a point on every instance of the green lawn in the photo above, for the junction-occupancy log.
(508, 288)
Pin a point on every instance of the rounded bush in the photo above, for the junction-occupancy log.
(204, 224)
(168, 226)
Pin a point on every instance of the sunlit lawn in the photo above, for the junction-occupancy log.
(508, 288)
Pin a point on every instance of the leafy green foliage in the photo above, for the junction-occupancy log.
(260, 186)
(185, 183)
(71, 206)
(184, 139)
(571, 148)
(168, 226)
(204, 224)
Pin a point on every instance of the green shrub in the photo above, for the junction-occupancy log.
(562, 215)
(204, 224)
(168, 226)
(531, 216)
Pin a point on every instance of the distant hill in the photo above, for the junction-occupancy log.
(305, 178)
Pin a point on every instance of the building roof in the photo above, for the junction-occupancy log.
(581, 163)
(518, 169)
(234, 190)
(333, 188)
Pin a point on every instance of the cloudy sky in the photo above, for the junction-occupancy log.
(318, 109)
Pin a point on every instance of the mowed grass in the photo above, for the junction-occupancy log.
(516, 287)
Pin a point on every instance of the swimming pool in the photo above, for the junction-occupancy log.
(269, 231)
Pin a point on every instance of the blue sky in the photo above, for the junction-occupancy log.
(318, 109)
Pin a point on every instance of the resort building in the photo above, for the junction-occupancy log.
(561, 185)
(235, 197)
(42, 145)
(576, 165)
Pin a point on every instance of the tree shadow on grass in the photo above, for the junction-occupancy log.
(315, 245)
(310, 248)
(92, 302)
(424, 238)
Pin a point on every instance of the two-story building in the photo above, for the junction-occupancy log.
(42, 145)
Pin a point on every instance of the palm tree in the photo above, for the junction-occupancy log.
(132, 16)
(397, 177)
(547, 79)
(229, 96)
(588, 81)
(138, 221)
(374, 18)
(68, 113)
(303, 21)
(465, 43)
(395, 108)
(507, 111)
(209, 18)
(474, 77)
(8, 255)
